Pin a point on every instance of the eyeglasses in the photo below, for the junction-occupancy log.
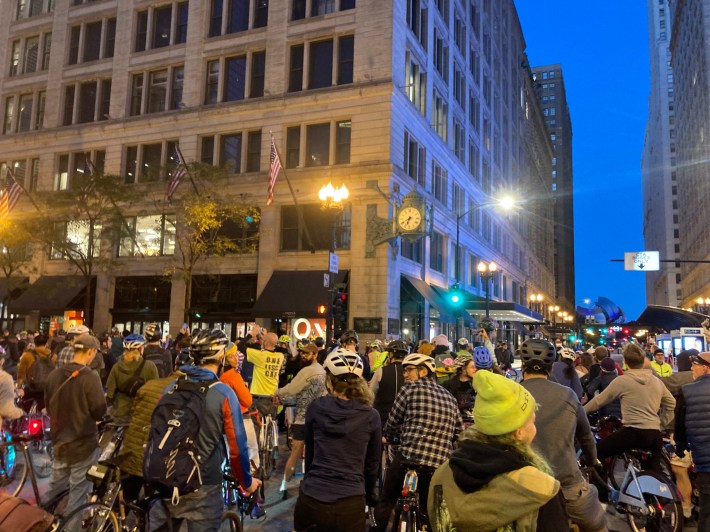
(407, 369)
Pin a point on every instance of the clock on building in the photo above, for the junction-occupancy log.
(411, 216)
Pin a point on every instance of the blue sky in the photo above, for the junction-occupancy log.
(604, 56)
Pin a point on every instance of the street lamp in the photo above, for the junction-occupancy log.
(487, 271)
(332, 200)
(535, 301)
(554, 309)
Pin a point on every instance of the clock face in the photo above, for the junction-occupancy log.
(409, 218)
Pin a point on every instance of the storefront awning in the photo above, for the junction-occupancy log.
(14, 286)
(290, 294)
(505, 311)
(436, 300)
(50, 294)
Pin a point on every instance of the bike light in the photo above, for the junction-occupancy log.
(405, 507)
(35, 428)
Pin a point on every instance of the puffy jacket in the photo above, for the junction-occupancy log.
(27, 360)
(693, 422)
(139, 428)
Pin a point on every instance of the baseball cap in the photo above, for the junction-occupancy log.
(86, 341)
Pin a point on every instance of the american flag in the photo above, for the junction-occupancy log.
(178, 173)
(274, 169)
(11, 195)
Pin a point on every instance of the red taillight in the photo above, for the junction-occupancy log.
(405, 507)
(35, 427)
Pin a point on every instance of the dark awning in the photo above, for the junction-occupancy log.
(468, 320)
(669, 318)
(505, 311)
(446, 314)
(294, 294)
(14, 286)
(50, 294)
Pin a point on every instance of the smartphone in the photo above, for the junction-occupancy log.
(184, 325)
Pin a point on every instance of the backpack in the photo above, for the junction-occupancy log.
(131, 385)
(170, 461)
(40, 370)
(156, 355)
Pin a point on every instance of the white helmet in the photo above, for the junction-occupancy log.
(341, 362)
(463, 342)
(417, 359)
(567, 354)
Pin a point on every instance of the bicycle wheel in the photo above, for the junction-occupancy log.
(267, 459)
(616, 470)
(664, 510)
(231, 522)
(13, 469)
(90, 517)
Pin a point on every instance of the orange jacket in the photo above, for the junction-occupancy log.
(234, 380)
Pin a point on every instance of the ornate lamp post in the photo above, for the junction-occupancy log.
(487, 271)
(332, 199)
(554, 309)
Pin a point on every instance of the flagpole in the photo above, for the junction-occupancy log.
(299, 211)
(187, 169)
(32, 200)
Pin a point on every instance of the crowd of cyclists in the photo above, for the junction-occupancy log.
(492, 448)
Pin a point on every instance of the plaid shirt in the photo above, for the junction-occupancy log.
(425, 420)
(65, 355)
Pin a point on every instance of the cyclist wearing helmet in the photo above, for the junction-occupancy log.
(284, 345)
(560, 423)
(387, 380)
(203, 508)
(463, 347)
(308, 385)
(459, 386)
(563, 371)
(376, 355)
(120, 386)
(424, 421)
(343, 448)
(349, 340)
(154, 352)
(67, 352)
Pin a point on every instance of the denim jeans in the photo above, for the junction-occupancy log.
(704, 510)
(202, 510)
(75, 476)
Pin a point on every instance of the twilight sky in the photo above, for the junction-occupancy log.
(604, 58)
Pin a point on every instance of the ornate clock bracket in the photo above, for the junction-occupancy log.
(379, 230)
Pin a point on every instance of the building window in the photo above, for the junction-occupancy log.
(157, 91)
(30, 54)
(440, 116)
(298, 10)
(342, 141)
(411, 250)
(317, 144)
(320, 71)
(168, 26)
(92, 41)
(293, 146)
(460, 34)
(77, 234)
(460, 87)
(254, 151)
(33, 8)
(322, 7)
(295, 76)
(150, 236)
(227, 78)
(436, 252)
(87, 101)
(72, 164)
(149, 162)
(439, 183)
(24, 112)
(233, 16)
(417, 21)
(415, 87)
(26, 172)
(441, 55)
(317, 223)
(414, 159)
(460, 141)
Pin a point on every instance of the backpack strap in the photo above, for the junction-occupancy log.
(140, 368)
(73, 375)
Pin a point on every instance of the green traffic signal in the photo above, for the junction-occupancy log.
(455, 298)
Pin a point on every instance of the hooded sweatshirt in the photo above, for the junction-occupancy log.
(485, 487)
(74, 408)
(642, 395)
(343, 450)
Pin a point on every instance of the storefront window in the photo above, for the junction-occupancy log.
(151, 236)
(72, 240)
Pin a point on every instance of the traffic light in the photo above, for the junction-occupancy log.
(572, 337)
(340, 310)
(322, 309)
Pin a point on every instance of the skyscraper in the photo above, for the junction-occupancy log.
(661, 230)
(550, 90)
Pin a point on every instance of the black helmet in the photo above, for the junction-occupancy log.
(398, 346)
(184, 357)
(537, 354)
(208, 345)
(349, 336)
(153, 333)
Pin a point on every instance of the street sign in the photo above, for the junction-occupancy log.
(333, 264)
(326, 280)
(641, 261)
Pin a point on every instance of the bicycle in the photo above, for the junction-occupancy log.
(42, 449)
(407, 517)
(268, 446)
(650, 502)
(246, 504)
(15, 468)
(513, 374)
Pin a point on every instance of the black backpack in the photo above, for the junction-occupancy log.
(131, 385)
(40, 370)
(156, 355)
(171, 457)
